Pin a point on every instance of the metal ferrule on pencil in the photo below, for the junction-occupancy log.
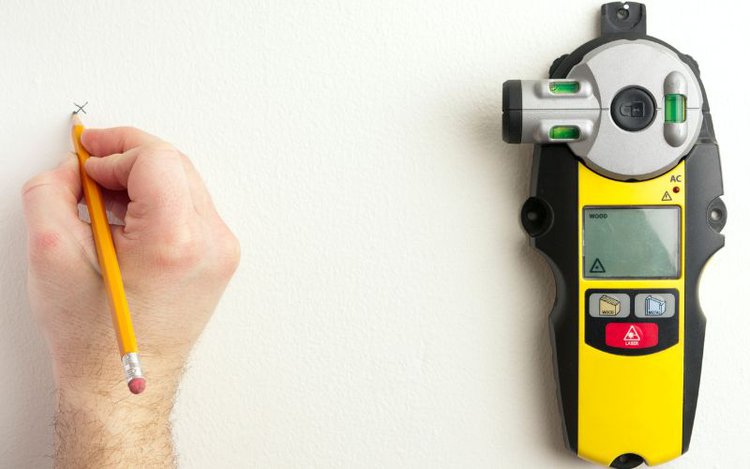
(132, 366)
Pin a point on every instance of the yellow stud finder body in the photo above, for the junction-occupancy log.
(631, 404)
(626, 208)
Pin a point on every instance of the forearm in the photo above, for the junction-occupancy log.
(99, 424)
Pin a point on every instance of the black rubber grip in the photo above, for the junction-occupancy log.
(512, 111)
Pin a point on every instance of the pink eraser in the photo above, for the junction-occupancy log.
(137, 385)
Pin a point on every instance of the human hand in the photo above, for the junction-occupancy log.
(175, 253)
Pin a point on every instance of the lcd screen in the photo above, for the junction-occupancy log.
(631, 242)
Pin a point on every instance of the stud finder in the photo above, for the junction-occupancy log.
(625, 206)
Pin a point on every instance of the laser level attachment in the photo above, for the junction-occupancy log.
(625, 205)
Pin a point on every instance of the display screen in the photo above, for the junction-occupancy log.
(631, 242)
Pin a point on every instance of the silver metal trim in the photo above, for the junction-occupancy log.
(131, 365)
(617, 153)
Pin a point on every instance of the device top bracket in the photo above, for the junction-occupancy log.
(623, 17)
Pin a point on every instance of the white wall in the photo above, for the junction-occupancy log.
(388, 311)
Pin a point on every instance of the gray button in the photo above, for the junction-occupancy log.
(654, 305)
(609, 305)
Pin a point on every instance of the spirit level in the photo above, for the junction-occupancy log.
(626, 207)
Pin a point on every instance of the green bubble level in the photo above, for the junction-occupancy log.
(564, 132)
(564, 87)
(675, 108)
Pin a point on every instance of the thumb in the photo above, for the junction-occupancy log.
(155, 180)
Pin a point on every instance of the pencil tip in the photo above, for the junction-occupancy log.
(76, 119)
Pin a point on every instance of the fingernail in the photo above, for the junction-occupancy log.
(85, 137)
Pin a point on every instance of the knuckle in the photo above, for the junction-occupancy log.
(45, 247)
(129, 129)
(57, 178)
(229, 254)
(45, 240)
(34, 183)
(217, 256)
(179, 253)
(162, 156)
(161, 150)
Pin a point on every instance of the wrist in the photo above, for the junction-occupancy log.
(102, 424)
(99, 376)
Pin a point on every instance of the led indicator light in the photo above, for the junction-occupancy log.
(675, 108)
(564, 87)
(564, 132)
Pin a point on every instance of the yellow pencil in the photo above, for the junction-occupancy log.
(105, 251)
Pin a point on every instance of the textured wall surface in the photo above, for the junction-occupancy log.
(388, 311)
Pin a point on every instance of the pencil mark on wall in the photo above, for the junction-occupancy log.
(80, 107)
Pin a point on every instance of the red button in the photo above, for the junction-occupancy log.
(632, 335)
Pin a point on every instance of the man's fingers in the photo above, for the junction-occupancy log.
(157, 185)
(51, 198)
(113, 171)
(105, 142)
(124, 144)
(50, 203)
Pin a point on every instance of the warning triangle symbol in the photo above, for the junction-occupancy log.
(666, 197)
(597, 268)
(632, 334)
